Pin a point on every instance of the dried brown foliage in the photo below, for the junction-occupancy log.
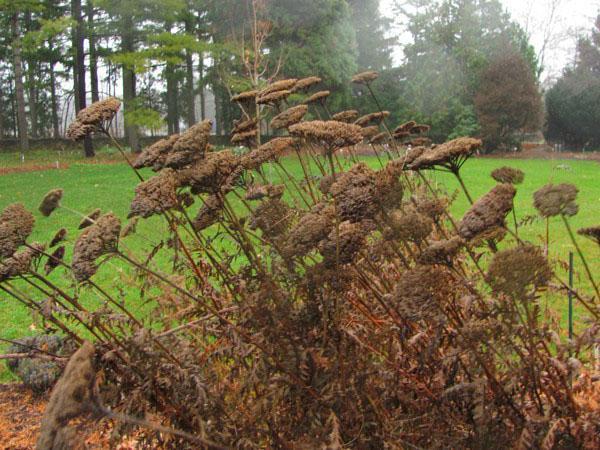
(335, 134)
(155, 196)
(508, 175)
(16, 224)
(95, 117)
(555, 199)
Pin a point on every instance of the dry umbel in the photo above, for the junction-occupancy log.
(555, 199)
(306, 83)
(60, 236)
(16, 224)
(273, 98)
(317, 97)
(312, 228)
(335, 134)
(273, 217)
(155, 196)
(50, 202)
(451, 155)
(346, 116)
(376, 117)
(289, 117)
(409, 225)
(155, 154)
(245, 97)
(281, 85)
(54, 260)
(365, 77)
(342, 244)
(355, 194)
(20, 262)
(592, 233)
(95, 117)
(210, 213)
(99, 239)
(488, 213)
(508, 175)
(442, 252)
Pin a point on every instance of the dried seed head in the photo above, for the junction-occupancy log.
(317, 97)
(97, 240)
(210, 174)
(289, 117)
(405, 127)
(281, 85)
(54, 260)
(271, 151)
(554, 199)
(20, 262)
(155, 196)
(90, 218)
(517, 270)
(365, 77)
(99, 113)
(376, 117)
(450, 155)
(156, 154)
(131, 227)
(50, 202)
(412, 155)
(325, 183)
(306, 83)
(508, 175)
(409, 226)
(193, 141)
(355, 194)
(273, 98)
(272, 217)
(389, 188)
(245, 97)
(335, 134)
(78, 131)
(442, 252)
(209, 214)
(342, 244)
(420, 129)
(247, 138)
(423, 292)
(488, 213)
(260, 191)
(419, 141)
(241, 126)
(379, 138)
(592, 233)
(16, 224)
(369, 132)
(312, 228)
(401, 135)
(58, 237)
(346, 116)
(432, 207)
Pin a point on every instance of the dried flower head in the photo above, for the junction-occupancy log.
(592, 233)
(346, 116)
(408, 225)
(155, 196)
(488, 213)
(78, 131)
(273, 98)
(155, 154)
(100, 112)
(432, 207)
(281, 85)
(379, 138)
(517, 270)
(16, 224)
(405, 127)
(270, 151)
(272, 217)
(289, 117)
(412, 155)
(508, 175)
(58, 237)
(451, 155)
(365, 77)
(90, 219)
(241, 126)
(335, 134)
(20, 262)
(342, 244)
(245, 97)
(210, 213)
(306, 83)
(423, 292)
(210, 174)
(317, 97)
(369, 132)
(260, 191)
(312, 228)
(54, 260)
(554, 199)
(442, 252)
(246, 138)
(376, 117)
(97, 240)
(355, 194)
(192, 142)
(50, 202)
(419, 141)
(401, 135)
(420, 129)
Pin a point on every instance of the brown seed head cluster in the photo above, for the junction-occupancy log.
(289, 117)
(355, 194)
(281, 85)
(517, 270)
(312, 228)
(346, 116)
(335, 134)
(273, 98)
(96, 116)
(592, 233)
(419, 141)
(365, 77)
(54, 260)
(193, 141)
(90, 219)
(16, 224)
(20, 262)
(409, 226)
(369, 132)
(432, 207)
(260, 191)
(58, 237)
(555, 199)
(246, 138)
(376, 117)
(405, 127)
(270, 151)
(210, 213)
(306, 83)
(155, 196)
(379, 138)
(242, 126)
(97, 240)
(50, 202)
(488, 213)
(317, 97)
(210, 174)
(342, 244)
(508, 175)
(272, 217)
(245, 97)
(389, 188)
(442, 252)
(155, 155)
(450, 155)
(412, 155)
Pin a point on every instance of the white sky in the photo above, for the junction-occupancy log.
(571, 18)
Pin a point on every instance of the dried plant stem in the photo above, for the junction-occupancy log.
(581, 256)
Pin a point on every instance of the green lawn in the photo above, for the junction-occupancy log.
(110, 187)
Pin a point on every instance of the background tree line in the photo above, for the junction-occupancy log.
(468, 70)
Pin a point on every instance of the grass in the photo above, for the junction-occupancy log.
(110, 187)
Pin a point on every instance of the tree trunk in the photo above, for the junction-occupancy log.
(79, 69)
(202, 87)
(189, 78)
(91, 35)
(54, 103)
(128, 45)
(172, 113)
(19, 88)
(32, 97)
